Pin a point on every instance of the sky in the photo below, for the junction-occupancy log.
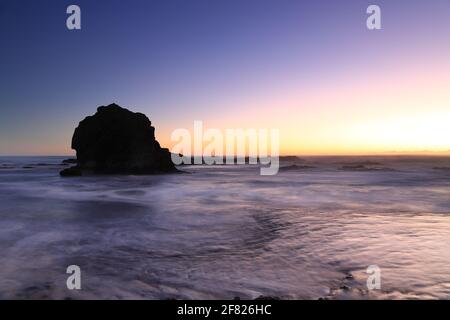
(311, 69)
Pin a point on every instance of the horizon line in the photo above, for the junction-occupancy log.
(392, 153)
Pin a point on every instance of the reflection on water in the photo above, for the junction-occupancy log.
(225, 231)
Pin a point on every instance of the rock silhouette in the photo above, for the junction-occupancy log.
(118, 141)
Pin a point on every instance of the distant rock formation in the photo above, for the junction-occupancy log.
(118, 141)
(295, 167)
(69, 161)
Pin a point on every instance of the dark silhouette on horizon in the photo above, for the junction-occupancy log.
(116, 140)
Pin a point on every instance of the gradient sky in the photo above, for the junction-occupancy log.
(309, 68)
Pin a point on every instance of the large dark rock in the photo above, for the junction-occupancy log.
(116, 140)
(71, 172)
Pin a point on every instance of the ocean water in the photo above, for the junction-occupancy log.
(225, 231)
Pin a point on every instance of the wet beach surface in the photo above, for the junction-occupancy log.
(221, 232)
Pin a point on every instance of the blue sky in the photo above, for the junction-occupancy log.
(180, 61)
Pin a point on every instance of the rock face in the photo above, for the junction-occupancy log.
(71, 172)
(118, 141)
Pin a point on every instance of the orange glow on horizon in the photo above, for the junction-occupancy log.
(402, 111)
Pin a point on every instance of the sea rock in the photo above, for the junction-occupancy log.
(359, 167)
(71, 172)
(118, 141)
(295, 167)
(69, 161)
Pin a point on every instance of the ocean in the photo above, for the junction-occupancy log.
(221, 232)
